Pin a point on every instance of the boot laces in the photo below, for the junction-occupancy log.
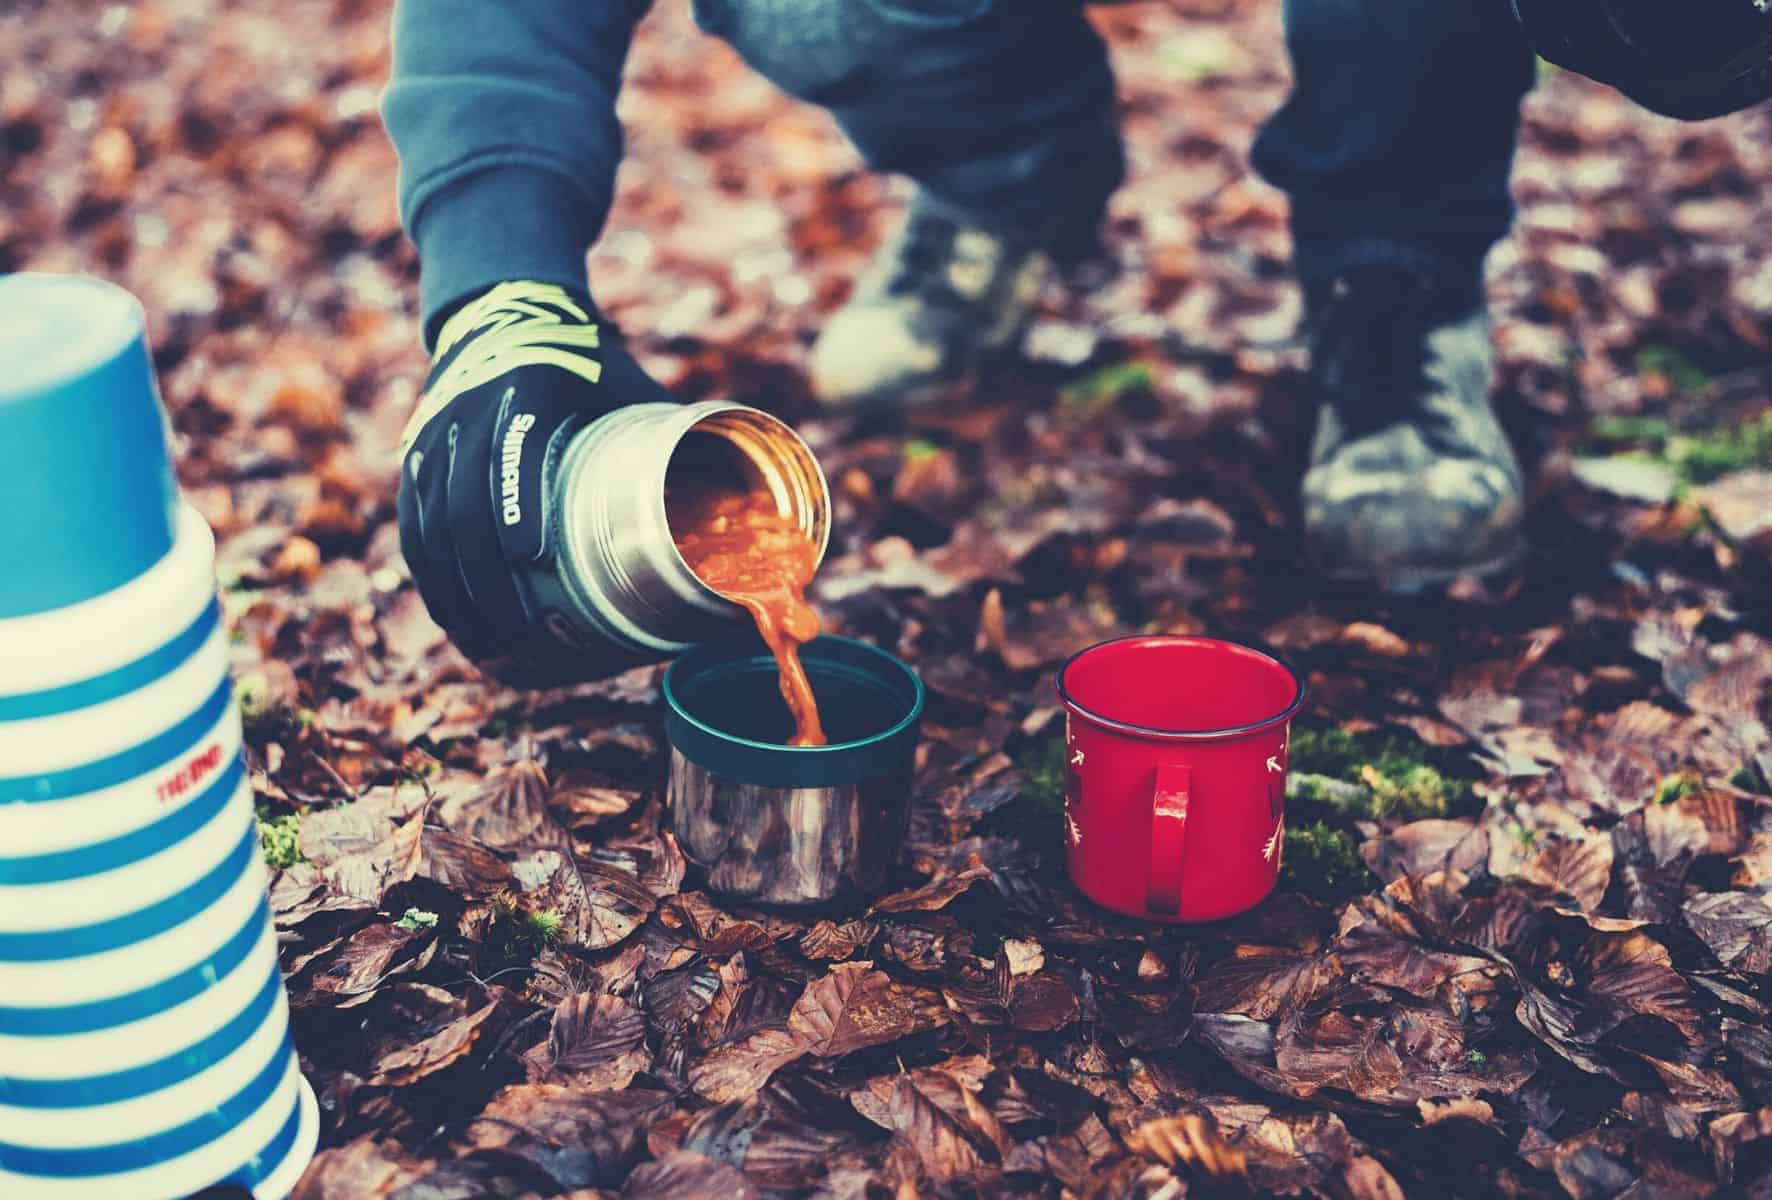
(1369, 349)
(943, 262)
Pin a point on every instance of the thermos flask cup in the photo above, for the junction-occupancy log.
(792, 825)
(1175, 777)
(144, 1033)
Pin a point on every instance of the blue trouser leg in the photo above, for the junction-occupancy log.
(1398, 139)
(1001, 108)
(1395, 145)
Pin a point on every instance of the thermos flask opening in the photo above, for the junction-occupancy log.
(620, 565)
(753, 451)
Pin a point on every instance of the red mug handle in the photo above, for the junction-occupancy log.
(1169, 805)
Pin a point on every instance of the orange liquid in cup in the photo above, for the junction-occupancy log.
(737, 543)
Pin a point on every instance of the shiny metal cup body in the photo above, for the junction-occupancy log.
(798, 846)
(614, 585)
(781, 824)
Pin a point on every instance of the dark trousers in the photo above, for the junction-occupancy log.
(1395, 145)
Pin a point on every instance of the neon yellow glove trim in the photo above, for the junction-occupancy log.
(516, 329)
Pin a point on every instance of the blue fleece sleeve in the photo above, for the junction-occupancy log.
(503, 116)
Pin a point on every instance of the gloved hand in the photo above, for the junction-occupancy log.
(516, 373)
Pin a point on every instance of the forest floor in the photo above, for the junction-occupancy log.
(1522, 942)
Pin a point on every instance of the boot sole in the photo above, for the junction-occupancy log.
(1417, 581)
(928, 393)
(883, 406)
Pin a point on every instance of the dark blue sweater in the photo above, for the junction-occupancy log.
(503, 114)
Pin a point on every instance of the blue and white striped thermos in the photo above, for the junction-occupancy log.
(144, 1029)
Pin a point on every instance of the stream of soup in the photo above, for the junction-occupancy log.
(736, 542)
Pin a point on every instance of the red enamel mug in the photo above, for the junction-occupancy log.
(1175, 783)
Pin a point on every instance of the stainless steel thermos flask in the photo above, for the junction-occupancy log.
(613, 586)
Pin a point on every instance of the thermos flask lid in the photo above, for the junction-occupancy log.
(87, 498)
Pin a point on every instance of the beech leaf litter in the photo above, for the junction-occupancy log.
(1522, 941)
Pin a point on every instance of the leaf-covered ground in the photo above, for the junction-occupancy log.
(1523, 942)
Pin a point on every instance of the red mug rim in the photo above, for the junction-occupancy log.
(1183, 735)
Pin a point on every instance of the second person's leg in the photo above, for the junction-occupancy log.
(1395, 147)
(1398, 139)
(1001, 111)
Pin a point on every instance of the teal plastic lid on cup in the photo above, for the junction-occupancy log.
(724, 712)
(771, 823)
(87, 496)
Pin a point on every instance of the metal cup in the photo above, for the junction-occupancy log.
(792, 825)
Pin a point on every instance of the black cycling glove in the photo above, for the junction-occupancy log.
(517, 372)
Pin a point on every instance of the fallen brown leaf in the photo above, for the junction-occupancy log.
(683, 1174)
(595, 1042)
(854, 1006)
(1190, 1140)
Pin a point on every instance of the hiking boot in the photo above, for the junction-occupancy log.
(941, 294)
(1412, 482)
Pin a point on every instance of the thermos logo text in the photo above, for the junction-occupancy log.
(510, 459)
(193, 770)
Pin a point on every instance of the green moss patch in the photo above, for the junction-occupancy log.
(416, 919)
(1324, 862)
(1376, 776)
(1043, 766)
(279, 838)
(1099, 391)
(1696, 456)
(519, 933)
